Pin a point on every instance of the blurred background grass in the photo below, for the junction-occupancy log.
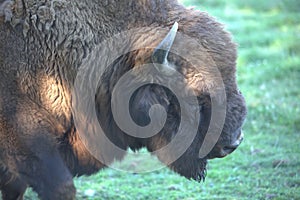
(267, 164)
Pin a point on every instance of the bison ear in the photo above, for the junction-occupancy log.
(161, 52)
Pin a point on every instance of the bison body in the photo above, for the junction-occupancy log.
(42, 46)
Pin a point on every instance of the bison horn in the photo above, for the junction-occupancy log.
(161, 52)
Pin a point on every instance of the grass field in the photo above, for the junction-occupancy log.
(267, 164)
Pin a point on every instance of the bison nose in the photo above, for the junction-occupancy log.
(229, 149)
(220, 151)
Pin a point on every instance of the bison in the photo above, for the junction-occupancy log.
(43, 47)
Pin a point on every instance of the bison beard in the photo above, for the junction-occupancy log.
(42, 47)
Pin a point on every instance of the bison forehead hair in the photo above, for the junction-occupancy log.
(43, 47)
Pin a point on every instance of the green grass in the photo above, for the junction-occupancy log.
(267, 164)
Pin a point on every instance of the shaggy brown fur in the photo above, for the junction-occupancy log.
(43, 44)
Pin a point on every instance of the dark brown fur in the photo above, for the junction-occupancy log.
(42, 45)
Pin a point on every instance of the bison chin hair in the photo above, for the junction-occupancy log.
(190, 169)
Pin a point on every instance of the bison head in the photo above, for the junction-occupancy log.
(204, 116)
(191, 163)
